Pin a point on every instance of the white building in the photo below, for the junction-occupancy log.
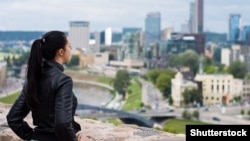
(108, 36)
(246, 90)
(219, 88)
(236, 53)
(101, 58)
(231, 54)
(225, 56)
(79, 35)
(179, 85)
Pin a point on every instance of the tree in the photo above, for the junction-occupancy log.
(242, 112)
(196, 114)
(191, 59)
(186, 115)
(174, 60)
(74, 61)
(163, 83)
(153, 75)
(191, 96)
(23, 59)
(121, 81)
(170, 100)
(238, 69)
(210, 69)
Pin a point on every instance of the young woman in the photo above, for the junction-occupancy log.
(47, 93)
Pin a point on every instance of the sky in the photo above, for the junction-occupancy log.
(44, 15)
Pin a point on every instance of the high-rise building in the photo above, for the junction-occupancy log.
(106, 36)
(130, 30)
(234, 27)
(97, 41)
(199, 16)
(191, 18)
(152, 28)
(245, 35)
(198, 19)
(166, 33)
(79, 35)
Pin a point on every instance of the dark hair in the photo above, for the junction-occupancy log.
(44, 48)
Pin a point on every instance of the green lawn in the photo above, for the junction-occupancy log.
(178, 126)
(105, 80)
(133, 100)
(10, 99)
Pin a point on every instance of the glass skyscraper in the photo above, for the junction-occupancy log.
(234, 27)
(152, 28)
(245, 35)
(198, 16)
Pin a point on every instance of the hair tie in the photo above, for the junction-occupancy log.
(43, 40)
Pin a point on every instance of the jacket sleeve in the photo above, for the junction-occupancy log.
(64, 129)
(15, 118)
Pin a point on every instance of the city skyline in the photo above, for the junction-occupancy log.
(28, 15)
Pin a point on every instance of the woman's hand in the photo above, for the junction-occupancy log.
(81, 137)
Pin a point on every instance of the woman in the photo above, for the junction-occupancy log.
(47, 93)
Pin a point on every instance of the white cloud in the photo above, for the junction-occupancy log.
(51, 14)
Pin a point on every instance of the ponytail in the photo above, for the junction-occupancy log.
(33, 74)
(46, 49)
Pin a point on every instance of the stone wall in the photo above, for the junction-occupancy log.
(94, 130)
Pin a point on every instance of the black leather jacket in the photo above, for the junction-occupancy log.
(55, 114)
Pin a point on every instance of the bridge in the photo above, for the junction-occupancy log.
(138, 118)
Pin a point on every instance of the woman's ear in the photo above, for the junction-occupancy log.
(61, 52)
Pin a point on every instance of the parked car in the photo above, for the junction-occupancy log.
(216, 119)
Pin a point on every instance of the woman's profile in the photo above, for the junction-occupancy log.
(47, 93)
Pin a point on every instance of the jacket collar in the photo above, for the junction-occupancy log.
(54, 64)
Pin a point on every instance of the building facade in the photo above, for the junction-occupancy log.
(79, 35)
(218, 88)
(152, 28)
(246, 90)
(245, 35)
(178, 86)
(234, 27)
(199, 16)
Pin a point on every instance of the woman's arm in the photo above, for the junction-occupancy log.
(63, 110)
(15, 116)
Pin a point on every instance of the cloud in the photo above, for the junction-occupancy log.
(51, 14)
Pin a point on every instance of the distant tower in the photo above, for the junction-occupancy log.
(246, 34)
(79, 34)
(191, 18)
(97, 41)
(152, 28)
(108, 36)
(234, 27)
(198, 19)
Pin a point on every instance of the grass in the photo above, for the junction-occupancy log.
(133, 100)
(114, 121)
(178, 126)
(105, 80)
(10, 99)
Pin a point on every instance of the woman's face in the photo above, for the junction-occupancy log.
(67, 51)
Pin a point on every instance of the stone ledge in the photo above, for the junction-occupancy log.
(94, 130)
